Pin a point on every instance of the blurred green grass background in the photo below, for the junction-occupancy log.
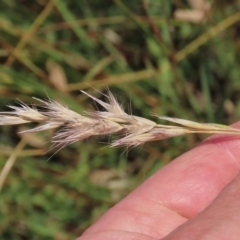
(175, 58)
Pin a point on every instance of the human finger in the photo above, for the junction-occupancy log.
(176, 193)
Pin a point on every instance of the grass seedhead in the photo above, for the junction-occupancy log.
(132, 130)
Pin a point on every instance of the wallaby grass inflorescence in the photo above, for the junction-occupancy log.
(132, 130)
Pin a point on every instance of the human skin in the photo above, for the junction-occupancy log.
(196, 196)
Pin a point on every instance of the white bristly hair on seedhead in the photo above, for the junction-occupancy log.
(132, 130)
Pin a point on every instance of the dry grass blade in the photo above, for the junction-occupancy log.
(10, 162)
(132, 130)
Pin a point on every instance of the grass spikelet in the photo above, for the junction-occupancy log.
(132, 130)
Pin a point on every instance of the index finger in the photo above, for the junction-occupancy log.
(175, 193)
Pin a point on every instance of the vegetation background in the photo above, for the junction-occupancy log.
(175, 58)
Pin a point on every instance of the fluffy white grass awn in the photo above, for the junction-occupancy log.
(133, 130)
